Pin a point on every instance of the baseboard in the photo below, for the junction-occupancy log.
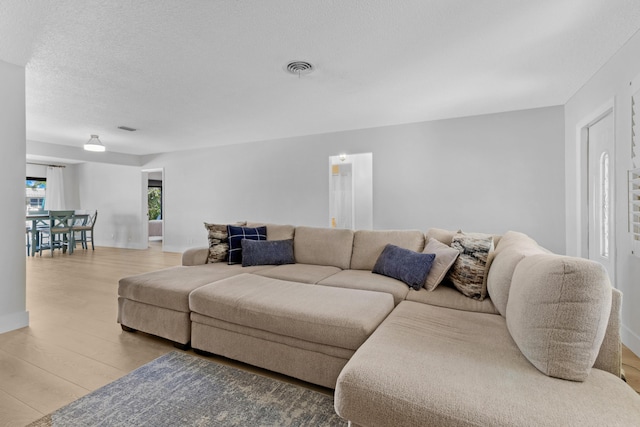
(13, 321)
(630, 339)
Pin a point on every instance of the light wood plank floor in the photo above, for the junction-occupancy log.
(74, 345)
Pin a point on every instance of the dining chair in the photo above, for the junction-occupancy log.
(28, 234)
(36, 221)
(59, 232)
(86, 229)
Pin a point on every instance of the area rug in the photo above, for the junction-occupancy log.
(182, 390)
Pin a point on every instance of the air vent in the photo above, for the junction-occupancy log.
(127, 128)
(299, 68)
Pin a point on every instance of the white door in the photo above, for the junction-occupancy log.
(341, 198)
(601, 173)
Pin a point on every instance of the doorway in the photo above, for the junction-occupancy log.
(153, 212)
(598, 138)
(351, 191)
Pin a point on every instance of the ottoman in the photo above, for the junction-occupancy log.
(301, 330)
(158, 302)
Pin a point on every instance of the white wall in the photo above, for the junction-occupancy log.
(116, 192)
(611, 82)
(13, 313)
(489, 173)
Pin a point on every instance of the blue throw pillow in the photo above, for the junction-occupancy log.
(267, 252)
(237, 234)
(408, 266)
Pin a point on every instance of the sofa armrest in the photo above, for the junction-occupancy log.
(195, 256)
(610, 355)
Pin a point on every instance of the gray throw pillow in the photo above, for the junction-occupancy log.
(445, 257)
(267, 252)
(403, 264)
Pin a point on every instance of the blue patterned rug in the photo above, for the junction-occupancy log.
(182, 390)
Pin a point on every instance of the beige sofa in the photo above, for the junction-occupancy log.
(397, 356)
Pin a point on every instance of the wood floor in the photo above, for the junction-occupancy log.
(74, 345)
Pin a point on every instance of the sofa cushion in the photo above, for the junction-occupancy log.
(267, 252)
(468, 271)
(557, 313)
(275, 231)
(428, 365)
(338, 317)
(170, 287)
(366, 280)
(449, 297)
(441, 235)
(237, 235)
(323, 246)
(302, 273)
(407, 266)
(512, 249)
(445, 257)
(218, 242)
(446, 236)
(368, 245)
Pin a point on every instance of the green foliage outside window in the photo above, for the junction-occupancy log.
(155, 203)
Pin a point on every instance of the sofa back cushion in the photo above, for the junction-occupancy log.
(446, 236)
(557, 313)
(275, 231)
(368, 245)
(512, 249)
(323, 246)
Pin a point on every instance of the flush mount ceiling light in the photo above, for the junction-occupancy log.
(299, 68)
(94, 144)
(127, 128)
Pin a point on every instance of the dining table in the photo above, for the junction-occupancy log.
(40, 221)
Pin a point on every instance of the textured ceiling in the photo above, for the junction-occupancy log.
(195, 73)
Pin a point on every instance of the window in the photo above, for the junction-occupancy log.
(35, 193)
(154, 199)
(604, 205)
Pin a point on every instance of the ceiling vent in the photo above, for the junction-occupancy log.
(299, 68)
(127, 128)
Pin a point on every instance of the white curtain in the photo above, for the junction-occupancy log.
(54, 199)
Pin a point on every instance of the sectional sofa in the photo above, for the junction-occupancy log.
(540, 346)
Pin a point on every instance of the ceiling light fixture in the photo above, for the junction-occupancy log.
(127, 128)
(299, 68)
(94, 144)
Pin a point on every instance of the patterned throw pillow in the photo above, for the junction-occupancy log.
(467, 273)
(267, 252)
(405, 265)
(218, 242)
(237, 235)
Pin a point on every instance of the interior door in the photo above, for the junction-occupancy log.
(341, 200)
(600, 172)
